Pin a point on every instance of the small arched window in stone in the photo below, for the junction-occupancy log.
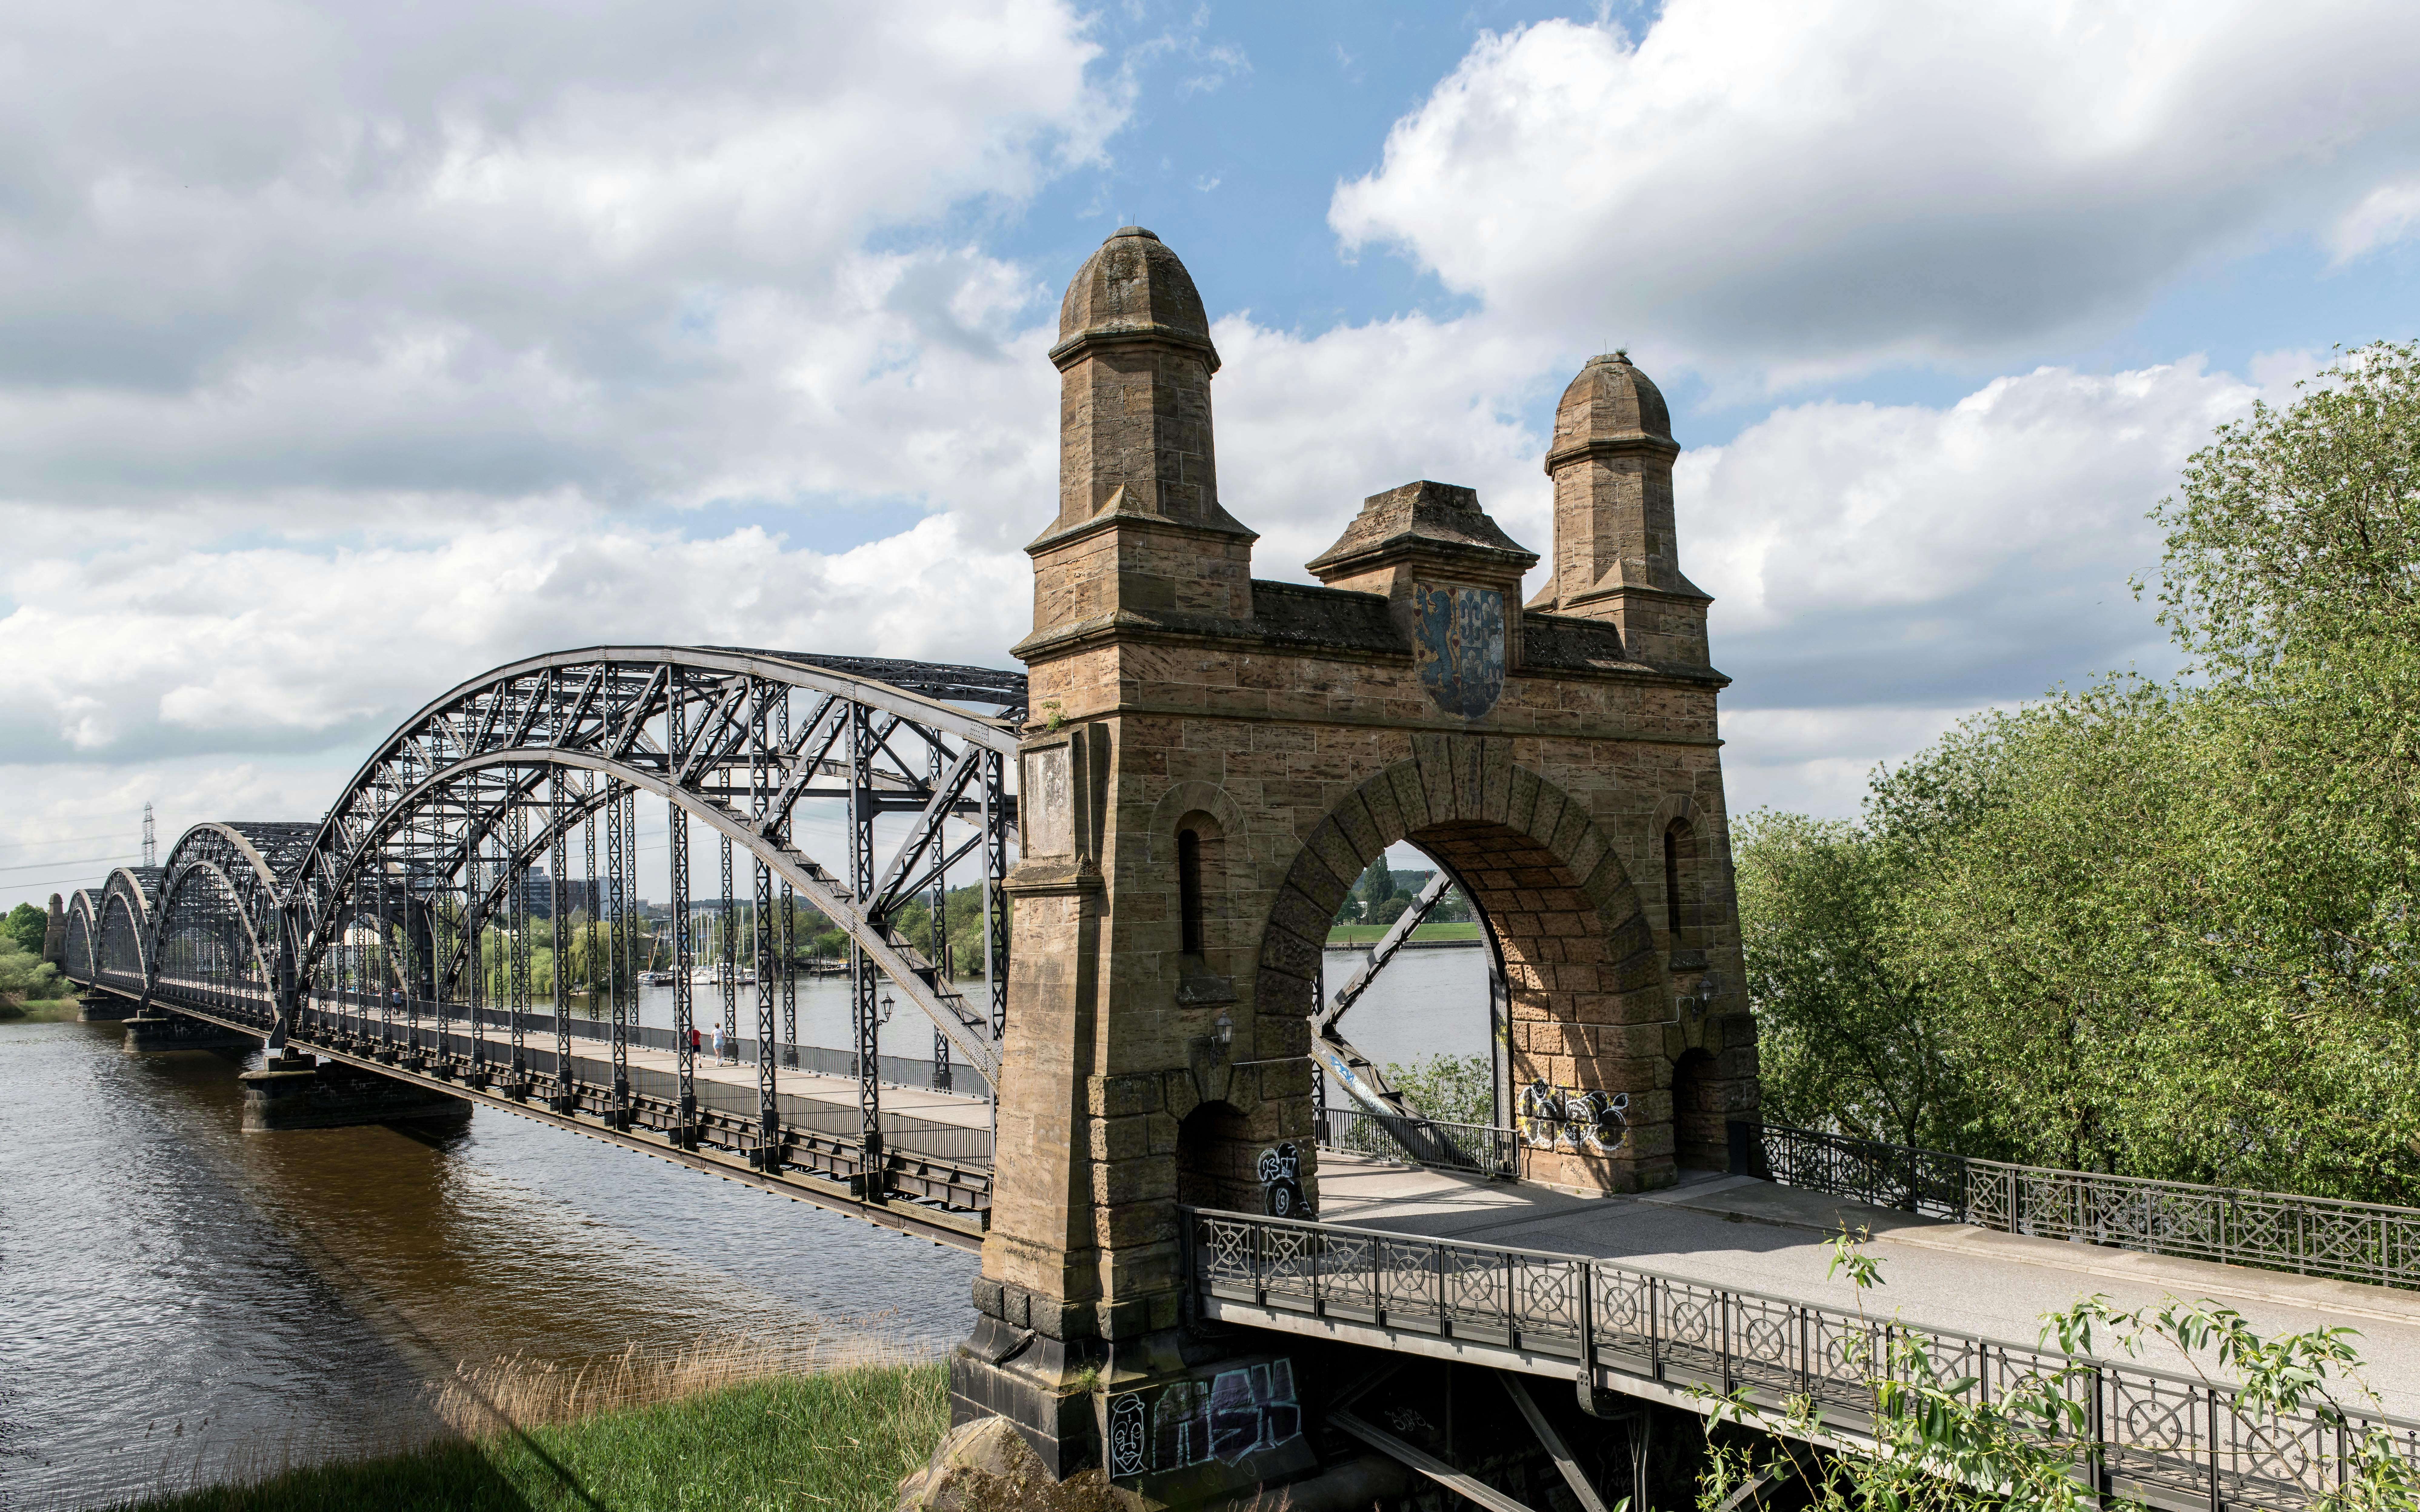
(1680, 848)
(1188, 888)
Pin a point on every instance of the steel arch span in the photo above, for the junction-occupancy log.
(734, 740)
(415, 926)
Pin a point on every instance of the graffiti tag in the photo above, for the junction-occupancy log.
(1281, 1172)
(1233, 1414)
(1552, 1118)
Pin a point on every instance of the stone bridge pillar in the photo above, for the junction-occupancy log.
(55, 936)
(1213, 762)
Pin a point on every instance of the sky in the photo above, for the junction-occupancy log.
(347, 351)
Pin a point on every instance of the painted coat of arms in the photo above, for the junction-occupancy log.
(1458, 642)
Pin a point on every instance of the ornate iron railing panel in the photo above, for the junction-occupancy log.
(2312, 1236)
(2170, 1440)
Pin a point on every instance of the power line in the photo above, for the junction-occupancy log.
(88, 860)
(47, 885)
(65, 840)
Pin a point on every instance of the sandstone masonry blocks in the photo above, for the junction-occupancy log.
(1269, 740)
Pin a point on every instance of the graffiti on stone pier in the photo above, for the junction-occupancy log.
(1281, 1172)
(1220, 1420)
(1554, 1117)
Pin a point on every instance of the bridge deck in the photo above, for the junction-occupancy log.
(1756, 1236)
(914, 1102)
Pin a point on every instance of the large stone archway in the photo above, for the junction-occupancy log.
(1590, 1009)
(1214, 759)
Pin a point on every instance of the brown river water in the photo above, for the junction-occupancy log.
(180, 1301)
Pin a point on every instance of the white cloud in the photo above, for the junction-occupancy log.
(285, 256)
(1863, 553)
(1880, 571)
(1311, 426)
(2383, 217)
(1781, 189)
(1819, 760)
(322, 343)
(284, 648)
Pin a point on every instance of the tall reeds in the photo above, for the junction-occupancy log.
(517, 1392)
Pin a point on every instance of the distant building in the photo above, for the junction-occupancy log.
(608, 903)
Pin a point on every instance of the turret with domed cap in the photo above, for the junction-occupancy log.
(1140, 535)
(1615, 554)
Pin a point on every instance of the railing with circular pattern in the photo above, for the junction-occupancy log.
(2168, 1440)
(2311, 1236)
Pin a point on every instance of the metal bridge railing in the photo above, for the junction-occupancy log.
(2170, 1440)
(2311, 1236)
(904, 1132)
(927, 1161)
(892, 1071)
(1468, 1147)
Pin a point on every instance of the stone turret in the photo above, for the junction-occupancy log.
(1139, 536)
(55, 936)
(1616, 555)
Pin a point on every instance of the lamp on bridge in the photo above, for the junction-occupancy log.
(1702, 997)
(884, 1017)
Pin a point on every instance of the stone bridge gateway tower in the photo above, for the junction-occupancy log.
(1216, 759)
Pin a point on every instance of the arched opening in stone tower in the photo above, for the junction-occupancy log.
(1557, 1021)
(1595, 1005)
(1217, 1159)
(1433, 1016)
(1699, 1136)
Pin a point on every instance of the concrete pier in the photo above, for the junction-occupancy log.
(103, 1008)
(149, 1033)
(292, 1092)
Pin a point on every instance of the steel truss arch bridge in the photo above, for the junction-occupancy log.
(431, 925)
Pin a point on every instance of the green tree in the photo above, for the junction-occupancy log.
(27, 925)
(26, 977)
(1847, 1038)
(1370, 891)
(1448, 1089)
(2164, 929)
(963, 927)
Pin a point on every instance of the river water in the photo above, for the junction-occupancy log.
(181, 1301)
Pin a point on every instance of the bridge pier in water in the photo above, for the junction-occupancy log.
(295, 1092)
(156, 1031)
(102, 1008)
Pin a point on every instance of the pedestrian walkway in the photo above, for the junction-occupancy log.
(1753, 1235)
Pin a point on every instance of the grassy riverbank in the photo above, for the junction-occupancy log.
(838, 1440)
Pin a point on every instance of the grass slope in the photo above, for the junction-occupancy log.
(840, 1439)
